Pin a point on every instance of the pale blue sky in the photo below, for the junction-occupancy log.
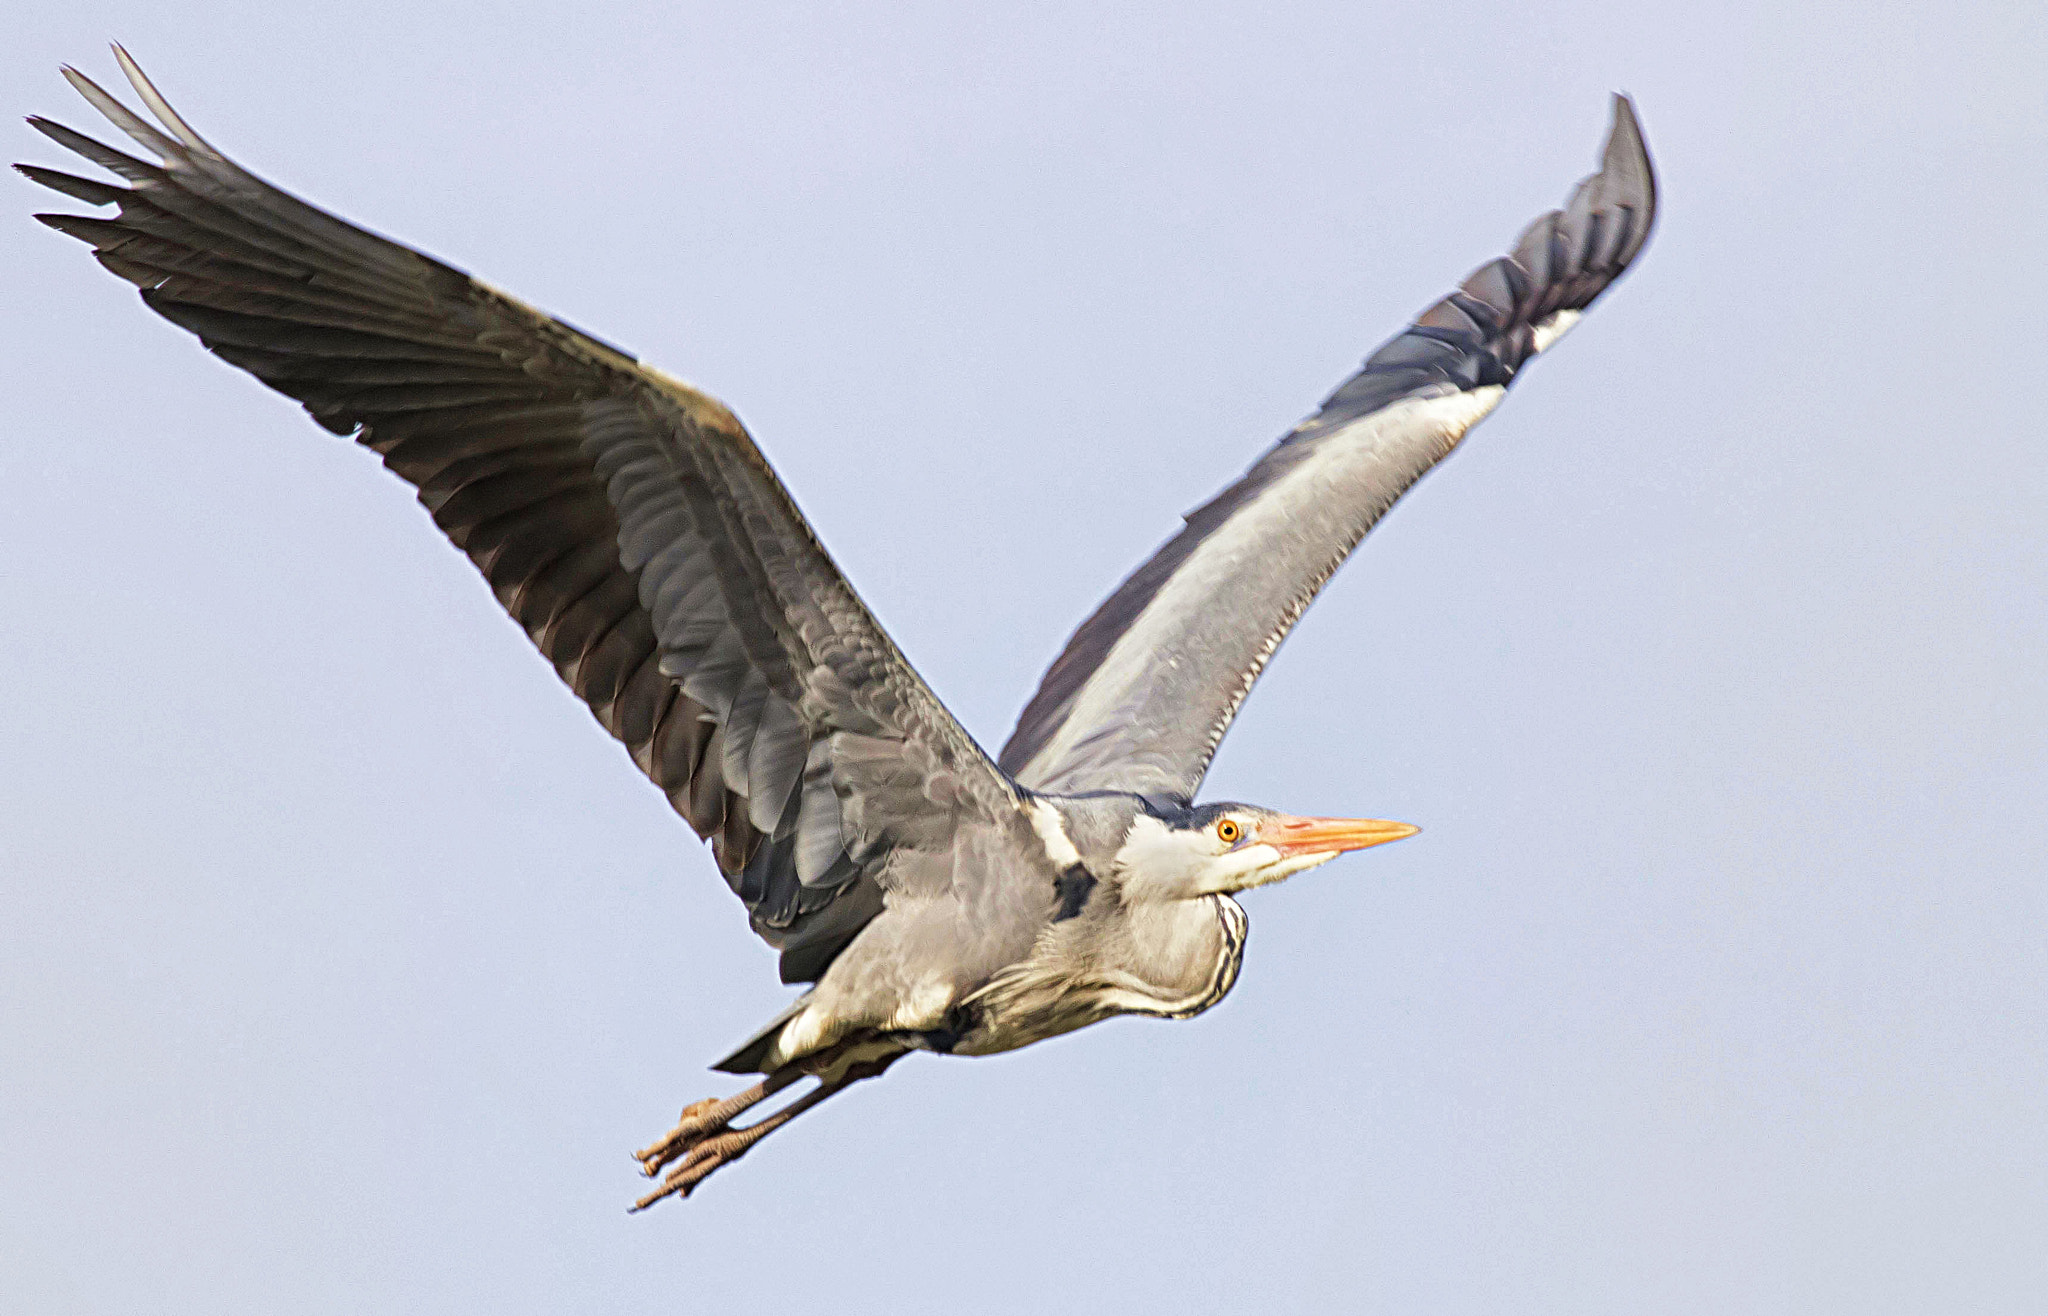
(344, 959)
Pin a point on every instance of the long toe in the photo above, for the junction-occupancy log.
(706, 1139)
(707, 1156)
(700, 1119)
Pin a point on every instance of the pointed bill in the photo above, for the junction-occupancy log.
(1331, 836)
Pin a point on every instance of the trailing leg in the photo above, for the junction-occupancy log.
(705, 1140)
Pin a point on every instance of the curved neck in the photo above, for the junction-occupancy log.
(1176, 958)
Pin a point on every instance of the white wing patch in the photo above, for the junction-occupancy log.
(1052, 833)
(1551, 329)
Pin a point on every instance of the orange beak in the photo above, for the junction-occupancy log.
(1299, 836)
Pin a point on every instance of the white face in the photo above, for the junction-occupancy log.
(1227, 855)
(1237, 848)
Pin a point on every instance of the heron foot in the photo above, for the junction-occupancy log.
(706, 1119)
(699, 1153)
(707, 1154)
(704, 1140)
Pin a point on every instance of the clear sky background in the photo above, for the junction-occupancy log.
(343, 959)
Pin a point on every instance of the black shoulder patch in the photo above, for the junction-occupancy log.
(1075, 886)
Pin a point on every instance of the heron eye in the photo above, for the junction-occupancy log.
(1227, 831)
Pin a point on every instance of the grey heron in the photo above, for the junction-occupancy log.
(935, 898)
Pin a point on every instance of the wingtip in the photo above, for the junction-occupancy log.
(1621, 120)
(1627, 173)
(153, 100)
(1624, 133)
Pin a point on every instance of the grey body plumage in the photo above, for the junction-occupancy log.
(935, 898)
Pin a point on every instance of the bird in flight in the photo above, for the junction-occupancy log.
(934, 897)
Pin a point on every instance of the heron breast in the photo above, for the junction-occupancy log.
(1056, 990)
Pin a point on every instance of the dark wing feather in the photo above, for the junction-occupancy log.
(624, 519)
(1143, 692)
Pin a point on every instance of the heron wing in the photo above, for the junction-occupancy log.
(624, 519)
(1144, 690)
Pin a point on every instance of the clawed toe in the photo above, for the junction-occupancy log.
(705, 1140)
(707, 1155)
(699, 1120)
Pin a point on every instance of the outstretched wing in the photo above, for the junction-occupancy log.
(624, 519)
(1147, 686)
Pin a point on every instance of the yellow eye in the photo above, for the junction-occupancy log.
(1227, 831)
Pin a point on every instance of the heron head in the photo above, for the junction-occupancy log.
(1219, 848)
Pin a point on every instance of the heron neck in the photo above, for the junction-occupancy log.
(1181, 956)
